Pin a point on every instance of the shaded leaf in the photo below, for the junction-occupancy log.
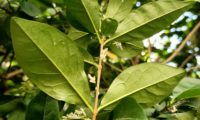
(148, 83)
(108, 26)
(9, 104)
(119, 9)
(30, 9)
(51, 60)
(150, 19)
(43, 107)
(85, 12)
(16, 115)
(129, 109)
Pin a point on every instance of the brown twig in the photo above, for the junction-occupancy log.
(149, 47)
(13, 73)
(101, 56)
(182, 44)
(187, 60)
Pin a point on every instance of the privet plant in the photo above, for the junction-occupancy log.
(57, 63)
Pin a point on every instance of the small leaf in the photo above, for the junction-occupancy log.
(30, 9)
(119, 9)
(147, 83)
(127, 49)
(16, 115)
(9, 103)
(108, 26)
(129, 109)
(43, 107)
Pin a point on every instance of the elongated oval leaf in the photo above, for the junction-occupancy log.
(85, 12)
(185, 84)
(187, 88)
(129, 109)
(147, 83)
(51, 60)
(150, 19)
(119, 9)
(43, 107)
(191, 93)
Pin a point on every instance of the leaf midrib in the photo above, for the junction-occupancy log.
(55, 65)
(91, 20)
(115, 100)
(111, 39)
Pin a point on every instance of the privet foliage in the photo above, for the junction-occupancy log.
(57, 63)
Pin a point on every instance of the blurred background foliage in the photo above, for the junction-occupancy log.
(15, 86)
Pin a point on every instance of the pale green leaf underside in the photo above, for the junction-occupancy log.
(119, 9)
(51, 60)
(150, 19)
(148, 83)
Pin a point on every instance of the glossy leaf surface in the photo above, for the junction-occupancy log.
(85, 12)
(129, 109)
(147, 83)
(51, 60)
(43, 107)
(150, 19)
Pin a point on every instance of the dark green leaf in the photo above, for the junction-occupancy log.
(16, 115)
(86, 12)
(30, 9)
(43, 107)
(129, 109)
(108, 26)
(9, 103)
(51, 60)
(148, 83)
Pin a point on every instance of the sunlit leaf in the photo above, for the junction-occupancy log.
(51, 60)
(147, 83)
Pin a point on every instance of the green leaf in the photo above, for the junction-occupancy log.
(119, 9)
(30, 9)
(108, 26)
(150, 19)
(86, 12)
(147, 83)
(42, 107)
(191, 93)
(16, 115)
(129, 109)
(82, 40)
(51, 60)
(127, 49)
(187, 88)
(9, 104)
